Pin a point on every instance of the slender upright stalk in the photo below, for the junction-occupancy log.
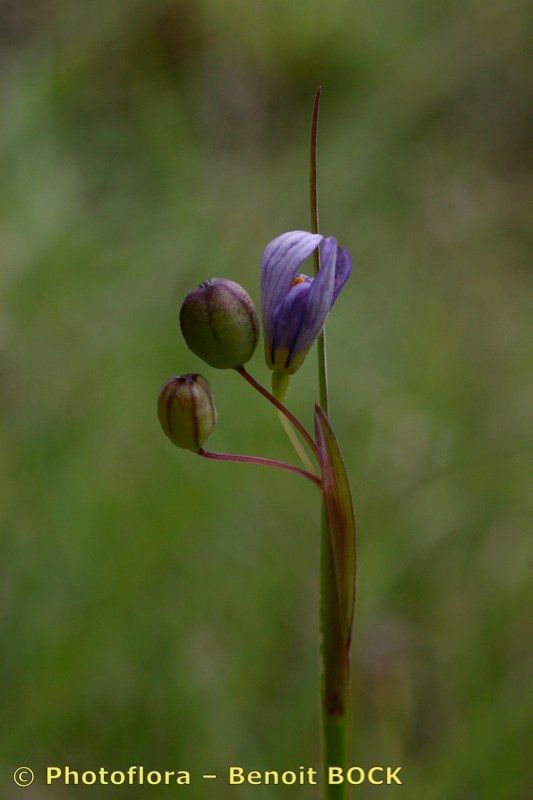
(313, 202)
(335, 681)
(266, 462)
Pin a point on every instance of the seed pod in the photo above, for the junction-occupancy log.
(219, 323)
(186, 411)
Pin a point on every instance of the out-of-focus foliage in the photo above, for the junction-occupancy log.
(160, 610)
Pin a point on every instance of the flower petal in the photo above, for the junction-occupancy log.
(279, 265)
(343, 269)
(299, 317)
(318, 302)
(287, 322)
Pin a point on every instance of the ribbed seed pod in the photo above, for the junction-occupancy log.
(219, 322)
(186, 411)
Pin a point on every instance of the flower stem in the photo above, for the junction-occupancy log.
(292, 436)
(280, 384)
(266, 462)
(313, 203)
(279, 405)
(335, 680)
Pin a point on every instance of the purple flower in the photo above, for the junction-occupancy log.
(295, 306)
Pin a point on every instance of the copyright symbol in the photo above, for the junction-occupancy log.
(23, 776)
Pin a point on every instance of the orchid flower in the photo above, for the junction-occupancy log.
(294, 305)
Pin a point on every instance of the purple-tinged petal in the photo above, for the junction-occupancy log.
(287, 322)
(343, 269)
(299, 318)
(318, 301)
(280, 262)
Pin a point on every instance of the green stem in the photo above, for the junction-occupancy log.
(335, 683)
(281, 408)
(280, 384)
(313, 202)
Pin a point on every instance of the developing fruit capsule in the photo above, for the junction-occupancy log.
(186, 411)
(219, 323)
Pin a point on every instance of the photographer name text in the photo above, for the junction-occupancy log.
(232, 776)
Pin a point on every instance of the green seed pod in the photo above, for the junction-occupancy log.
(219, 322)
(186, 411)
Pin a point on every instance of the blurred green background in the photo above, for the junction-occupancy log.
(160, 610)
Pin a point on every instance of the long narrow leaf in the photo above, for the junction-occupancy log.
(340, 516)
